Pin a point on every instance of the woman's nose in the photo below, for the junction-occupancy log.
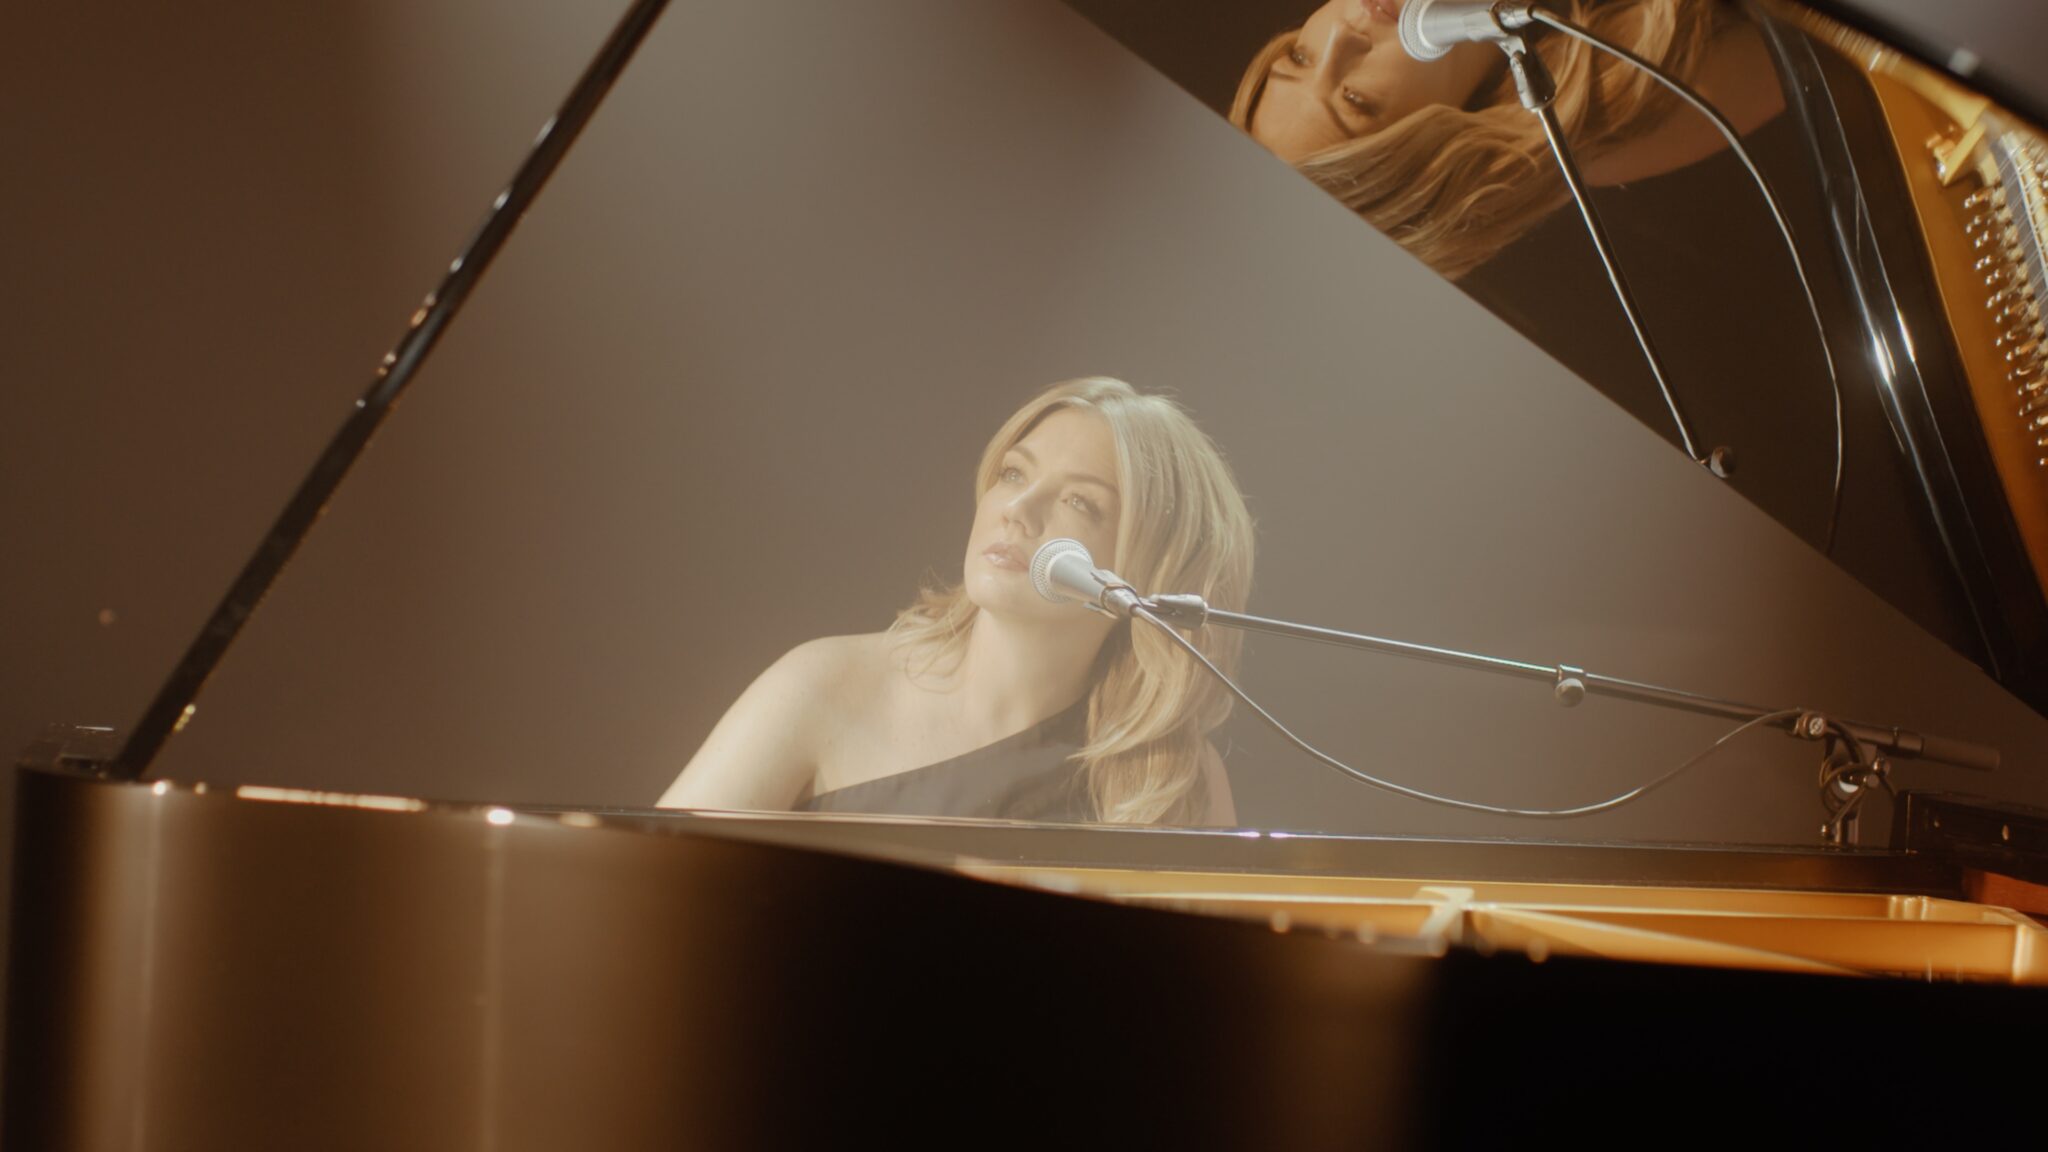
(1341, 49)
(1023, 511)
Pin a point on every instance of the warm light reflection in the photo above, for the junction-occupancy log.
(334, 799)
(499, 816)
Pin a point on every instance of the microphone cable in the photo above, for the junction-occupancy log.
(1448, 801)
(1557, 23)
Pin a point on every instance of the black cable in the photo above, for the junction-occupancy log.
(1416, 794)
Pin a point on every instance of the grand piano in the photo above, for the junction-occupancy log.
(233, 949)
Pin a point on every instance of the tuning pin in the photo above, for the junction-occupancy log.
(2023, 352)
(1984, 196)
(1983, 262)
(1976, 223)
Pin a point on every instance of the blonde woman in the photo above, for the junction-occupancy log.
(986, 700)
(1442, 157)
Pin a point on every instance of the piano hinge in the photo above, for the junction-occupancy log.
(76, 749)
(1953, 154)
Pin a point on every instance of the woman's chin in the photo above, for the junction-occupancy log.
(991, 595)
(1010, 594)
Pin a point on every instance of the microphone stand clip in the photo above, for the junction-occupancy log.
(1849, 768)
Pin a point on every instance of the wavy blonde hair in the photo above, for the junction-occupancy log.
(1456, 185)
(1184, 528)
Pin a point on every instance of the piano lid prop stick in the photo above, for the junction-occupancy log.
(175, 701)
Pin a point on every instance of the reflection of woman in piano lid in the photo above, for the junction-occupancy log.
(1441, 155)
(1018, 707)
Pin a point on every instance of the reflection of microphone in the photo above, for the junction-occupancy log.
(1431, 28)
(1063, 570)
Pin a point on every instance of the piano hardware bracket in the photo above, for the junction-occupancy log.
(73, 749)
(1721, 462)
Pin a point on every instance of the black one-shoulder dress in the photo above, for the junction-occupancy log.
(1025, 776)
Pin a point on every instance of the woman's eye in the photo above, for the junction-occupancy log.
(1011, 475)
(1297, 57)
(1081, 504)
(1356, 101)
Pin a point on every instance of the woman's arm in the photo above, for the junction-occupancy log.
(764, 750)
(1222, 809)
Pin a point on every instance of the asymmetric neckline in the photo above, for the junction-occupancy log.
(1027, 766)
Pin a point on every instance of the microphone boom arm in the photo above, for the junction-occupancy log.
(1571, 684)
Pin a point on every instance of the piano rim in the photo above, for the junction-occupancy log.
(1761, 907)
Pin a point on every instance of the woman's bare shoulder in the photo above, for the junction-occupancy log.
(839, 663)
(765, 748)
(1222, 807)
(837, 677)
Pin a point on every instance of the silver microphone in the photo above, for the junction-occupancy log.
(1063, 570)
(1431, 28)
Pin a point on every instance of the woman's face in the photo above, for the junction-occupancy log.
(1346, 76)
(1059, 480)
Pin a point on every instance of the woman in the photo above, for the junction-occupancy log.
(1441, 155)
(1018, 707)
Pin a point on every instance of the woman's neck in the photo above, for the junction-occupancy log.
(1016, 673)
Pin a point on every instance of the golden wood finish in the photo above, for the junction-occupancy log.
(1827, 932)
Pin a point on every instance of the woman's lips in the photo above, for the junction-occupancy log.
(1006, 556)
